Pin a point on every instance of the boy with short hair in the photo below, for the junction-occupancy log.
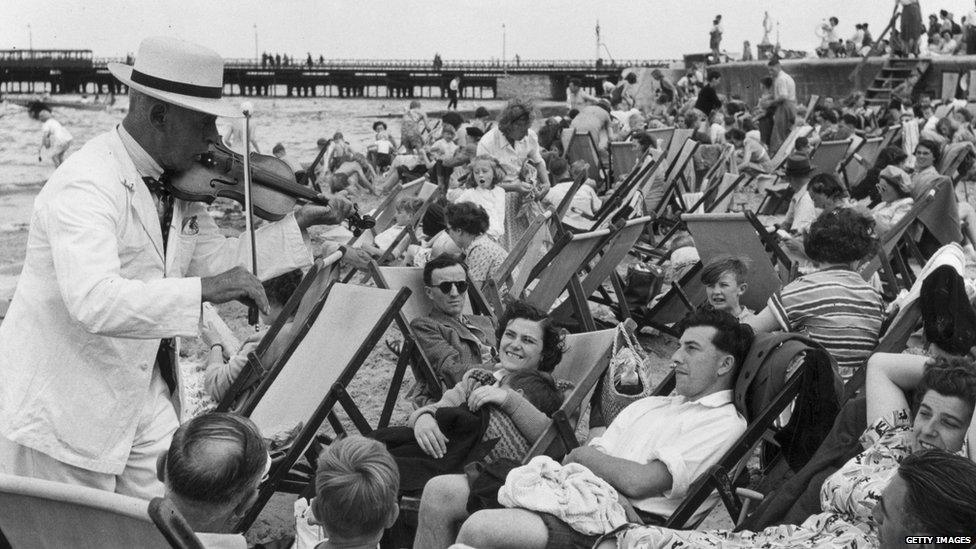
(356, 485)
(724, 280)
(406, 208)
(585, 203)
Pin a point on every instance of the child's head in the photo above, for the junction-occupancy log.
(578, 168)
(725, 282)
(448, 133)
(802, 145)
(558, 167)
(406, 208)
(379, 126)
(539, 388)
(356, 485)
(485, 172)
(279, 290)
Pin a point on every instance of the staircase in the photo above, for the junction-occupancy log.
(892, 73)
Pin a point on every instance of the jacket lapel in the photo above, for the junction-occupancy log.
(140, 198)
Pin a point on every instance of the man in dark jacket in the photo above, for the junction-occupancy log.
(708, 99)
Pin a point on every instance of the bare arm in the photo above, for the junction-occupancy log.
(632, 479)
(888, 376)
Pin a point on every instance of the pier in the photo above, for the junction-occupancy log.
(77, 71)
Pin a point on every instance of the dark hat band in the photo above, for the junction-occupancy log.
(161, 84)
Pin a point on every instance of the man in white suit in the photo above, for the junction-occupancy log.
(115, 268)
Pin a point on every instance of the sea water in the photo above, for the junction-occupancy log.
(296, 123)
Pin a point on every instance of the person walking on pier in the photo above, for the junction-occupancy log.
(452, 93)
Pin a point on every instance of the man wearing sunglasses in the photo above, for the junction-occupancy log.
(452, 341)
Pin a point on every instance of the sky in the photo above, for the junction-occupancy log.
(457, 29)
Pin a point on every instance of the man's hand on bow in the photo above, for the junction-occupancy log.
(333, 214)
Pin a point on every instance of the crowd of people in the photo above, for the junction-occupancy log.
(119, 267)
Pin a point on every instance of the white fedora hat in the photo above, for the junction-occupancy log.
(180, 73)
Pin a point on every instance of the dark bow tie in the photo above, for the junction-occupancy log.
(158, 186)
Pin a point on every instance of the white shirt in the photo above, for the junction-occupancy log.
(686, 436)
(222, 541)
(585, 201)
(453, 86)
(57, 133)
(784, 87)
(510, 156)
(802, 212)
(493, 201)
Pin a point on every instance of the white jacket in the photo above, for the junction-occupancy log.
(79, 342)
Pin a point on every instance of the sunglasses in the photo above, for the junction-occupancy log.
(445, 287)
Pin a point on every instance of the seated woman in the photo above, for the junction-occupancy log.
(467, 225)
(851, 498)
(867, 189)
(895, 191)
(751, 155)
(527, 341)
(833, 305)
(828, 193)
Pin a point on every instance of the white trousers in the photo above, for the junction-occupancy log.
(156, 426)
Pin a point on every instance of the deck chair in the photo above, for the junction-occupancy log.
(678, 139)
(739, 234)
(676, 181)
(621, 202)
(761, 400)
(36, 513)
(683, 297)
(888, 259)
(513, 273)
(950, 81)
(829, 155)
(857, 165)
(786, 148)
(584, 362)
(625, 235)
(662, 136)
(582, 147)
(322, 357)
(416, 306)
(890, 134)
(385, 210)
(624, 155)
(556, 271)
(953, 158)
(310, 292)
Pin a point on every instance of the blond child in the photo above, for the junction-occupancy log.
(406, 210)
(483, 190)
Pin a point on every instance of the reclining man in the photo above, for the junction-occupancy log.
(651, 452)
(452, 341)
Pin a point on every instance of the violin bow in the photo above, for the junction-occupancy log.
(246, 109)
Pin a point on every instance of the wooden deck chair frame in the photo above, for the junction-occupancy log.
(829, 155)
(785, 149)
(557, 271)
(517, 258)
(888, 250)
(582, 147)
(662, 137)
(889, 135)
(855, 167)
(311, 290)
(617, 205)
(383, 213)
(681, 298)
(675, 175)
(567, 200)
(281, 477)
(584, 369)
(44, 513)
(406, 233)
(624, 156)
(953, 157)
(412, 355)
(763, 278)
(625, 235)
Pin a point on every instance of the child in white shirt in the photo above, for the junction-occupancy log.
(54, 136)
(584, 204)
(483, 191)
(406, 210)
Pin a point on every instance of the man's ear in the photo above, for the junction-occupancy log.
(241, 508)
(161, 468)
(728, 363)
(393, 515)
(742, 288)
(157, 115)
(427, 291)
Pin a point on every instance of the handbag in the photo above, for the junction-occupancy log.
(626, 379)
(643, 282)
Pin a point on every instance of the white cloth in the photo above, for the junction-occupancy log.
(95, 296)
(511, 157)
(385, 239)
(686, 436)
(455, 82)
(57, 135)
(801, 212)
(571, 492)
(493, 201)
(585, 201)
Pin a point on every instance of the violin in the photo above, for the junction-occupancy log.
(220, 173)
